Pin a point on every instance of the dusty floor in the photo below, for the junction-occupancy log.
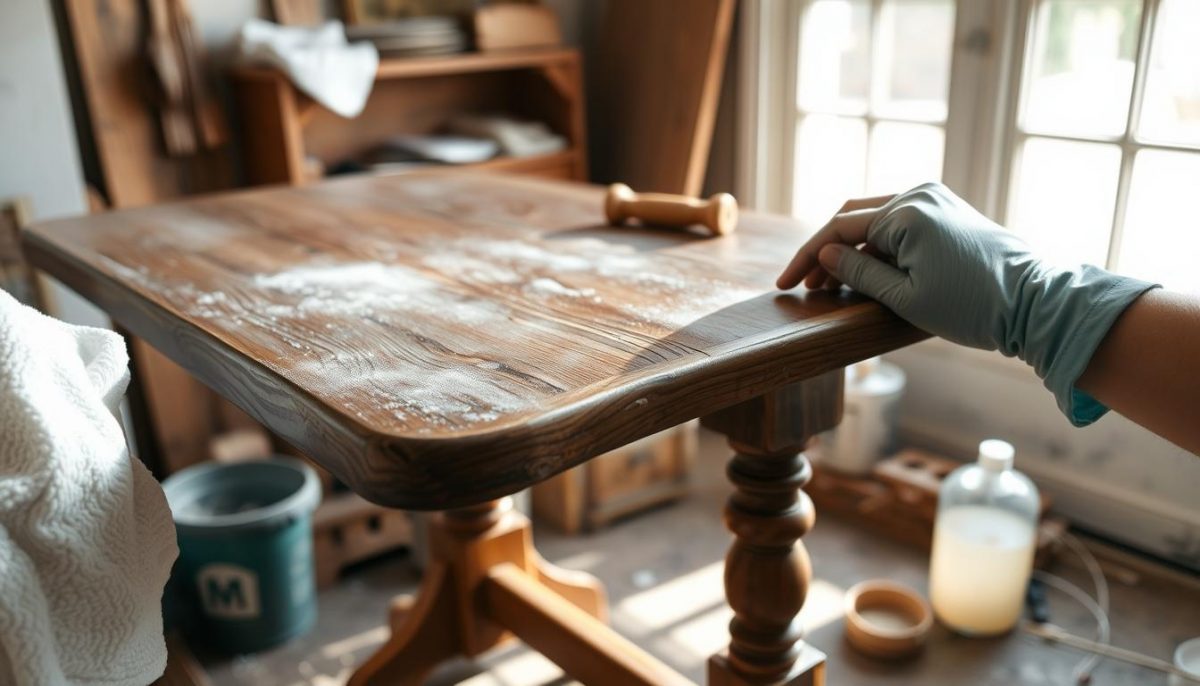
(663, 574)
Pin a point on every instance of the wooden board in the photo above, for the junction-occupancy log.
(124, 141)
(108, 41)
(444, 338)
(16, 276)
(657, 81)
(298, 12)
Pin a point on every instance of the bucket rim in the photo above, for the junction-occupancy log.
(304, 500)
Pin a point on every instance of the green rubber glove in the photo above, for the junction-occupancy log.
(940, 264)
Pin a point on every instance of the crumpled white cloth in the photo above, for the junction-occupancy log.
(318, 59)
(86, 538)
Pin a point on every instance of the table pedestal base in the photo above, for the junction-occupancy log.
(486, 583)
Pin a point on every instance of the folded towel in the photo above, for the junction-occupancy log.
(318, 59)
(86, 538)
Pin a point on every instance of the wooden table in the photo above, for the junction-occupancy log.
(442, 340)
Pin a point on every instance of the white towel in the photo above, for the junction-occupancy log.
(86, 538)
(318, 59)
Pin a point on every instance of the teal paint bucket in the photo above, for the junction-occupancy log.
(245, 550)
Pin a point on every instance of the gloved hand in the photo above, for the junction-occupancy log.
(937, 262)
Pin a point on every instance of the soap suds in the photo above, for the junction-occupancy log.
(546, 285)
(432, 397)
(651, 293)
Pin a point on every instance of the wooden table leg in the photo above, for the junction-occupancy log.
(485, 583)
(767, 570)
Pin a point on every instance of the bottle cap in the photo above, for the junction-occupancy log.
(996, 455)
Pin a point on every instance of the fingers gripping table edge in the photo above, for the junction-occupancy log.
(421, 473)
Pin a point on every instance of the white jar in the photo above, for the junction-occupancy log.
(867, 431)
(983, 544)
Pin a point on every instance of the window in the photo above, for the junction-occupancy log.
(870, 103)
(1106, 136)
(1073, 122)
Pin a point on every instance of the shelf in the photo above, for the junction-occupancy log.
(462, 63)
(554, 165)
(289, 128)
(525, 164)
(472, 62)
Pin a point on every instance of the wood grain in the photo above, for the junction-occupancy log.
(439, 339)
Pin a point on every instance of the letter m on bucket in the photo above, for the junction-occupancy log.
(228, 591)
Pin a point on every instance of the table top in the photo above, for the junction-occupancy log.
(443, 338)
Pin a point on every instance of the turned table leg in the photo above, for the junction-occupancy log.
(767, 570)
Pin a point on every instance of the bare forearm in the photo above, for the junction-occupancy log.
(1148, 367)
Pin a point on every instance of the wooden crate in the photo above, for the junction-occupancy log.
(899, 499)
(641, 475)
(348, 529)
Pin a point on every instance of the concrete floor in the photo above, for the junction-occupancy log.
(663, 573)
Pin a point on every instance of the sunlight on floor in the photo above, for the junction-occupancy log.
(708, 633)
(583, 562)
(355, 643)
(522, 669)
(668, 603)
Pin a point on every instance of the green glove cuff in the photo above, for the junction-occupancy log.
(1086, 303)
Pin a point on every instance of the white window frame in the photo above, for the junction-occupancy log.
(1003, 395)
(1127, 141)
(974, 145)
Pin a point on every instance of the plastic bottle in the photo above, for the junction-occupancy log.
(983, 543)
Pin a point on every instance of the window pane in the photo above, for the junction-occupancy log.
(914, 75)
(1082, 69)
(831, 155)
(1160, 241)
(1064, 197)
(1171, 108)
(903, 156)
(834, 70)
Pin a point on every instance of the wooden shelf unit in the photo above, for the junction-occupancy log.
(282, 128)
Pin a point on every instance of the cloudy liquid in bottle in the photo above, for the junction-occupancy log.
(982, 558)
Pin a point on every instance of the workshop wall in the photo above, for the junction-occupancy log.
(37, 136)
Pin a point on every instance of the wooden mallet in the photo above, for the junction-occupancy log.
(719, 213)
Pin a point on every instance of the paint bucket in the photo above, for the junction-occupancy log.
(245, 550)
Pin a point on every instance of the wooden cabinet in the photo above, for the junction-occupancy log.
(288, 138)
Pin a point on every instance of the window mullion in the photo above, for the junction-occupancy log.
(875, 85)
(1145, 43)
(875, 59)
(1017, 79)
(1128, 144)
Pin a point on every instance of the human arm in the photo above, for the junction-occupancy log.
(937, 262)
(1148, 367)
